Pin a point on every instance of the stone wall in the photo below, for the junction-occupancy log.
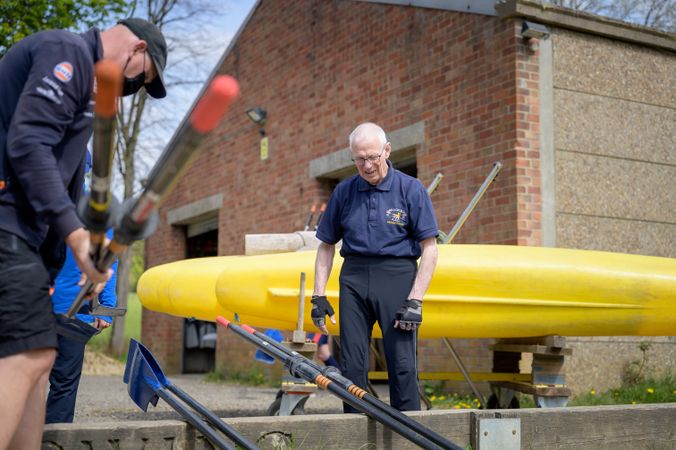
(615, 165)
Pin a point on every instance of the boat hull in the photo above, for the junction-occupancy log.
(478, 291)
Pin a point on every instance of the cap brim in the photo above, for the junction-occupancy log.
(156, 87)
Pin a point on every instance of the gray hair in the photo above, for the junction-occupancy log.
(368, 130)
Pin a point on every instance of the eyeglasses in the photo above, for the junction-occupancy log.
(373, 159)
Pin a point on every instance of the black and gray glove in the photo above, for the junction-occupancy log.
(409, 316)
(320, 309)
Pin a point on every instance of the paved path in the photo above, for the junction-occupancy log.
(103, 398)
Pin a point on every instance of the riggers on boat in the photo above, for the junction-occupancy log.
(478, 291)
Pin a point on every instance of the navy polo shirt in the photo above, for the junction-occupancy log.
(389, 219)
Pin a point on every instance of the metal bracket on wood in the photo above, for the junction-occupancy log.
(495, 432)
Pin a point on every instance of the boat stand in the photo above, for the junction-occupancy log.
(295, 391)
(547, 383)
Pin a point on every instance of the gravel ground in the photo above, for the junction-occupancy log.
(103, 397)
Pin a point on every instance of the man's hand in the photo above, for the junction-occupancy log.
(320, 309)
(78, 241)
(100, 324)
(409, 316)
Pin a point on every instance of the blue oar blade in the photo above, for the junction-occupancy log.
(142, 382)
(133, 344)
(153, 365)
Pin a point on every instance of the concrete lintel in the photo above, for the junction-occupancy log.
(195, 211)
(548, 14)
(484, 7)
(338, 164)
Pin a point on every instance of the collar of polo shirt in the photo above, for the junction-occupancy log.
(384, 185)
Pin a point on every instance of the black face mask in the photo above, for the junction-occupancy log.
(132, 85)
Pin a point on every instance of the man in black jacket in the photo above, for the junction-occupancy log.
(46, 85)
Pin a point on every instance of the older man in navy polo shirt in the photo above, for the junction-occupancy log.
(386, 221)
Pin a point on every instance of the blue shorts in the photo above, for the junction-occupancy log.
(26, 317)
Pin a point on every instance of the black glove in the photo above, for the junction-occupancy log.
(409, 316)
(320, 309)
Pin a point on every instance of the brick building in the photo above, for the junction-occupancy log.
(584, 126)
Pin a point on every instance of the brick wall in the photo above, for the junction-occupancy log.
(320, 68)
(161, 332)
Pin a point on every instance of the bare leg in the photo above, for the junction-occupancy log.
(23, 386)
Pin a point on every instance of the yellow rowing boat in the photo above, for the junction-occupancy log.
(478, 291)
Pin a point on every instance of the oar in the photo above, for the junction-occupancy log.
(319, 217)
(446, 239)
(497, 166)
(299, 367)
(146, 383)
(140, 217)
(309, 219)
(97, 209)
(334, 374)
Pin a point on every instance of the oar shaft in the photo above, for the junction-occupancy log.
(134, 224)
(298, 366)
(335, 376)
(108, 89)
(215, 438)
(226, 429)
(209, 110)
(104, 263)
(79, 299)
(497, 166)
(374, 413)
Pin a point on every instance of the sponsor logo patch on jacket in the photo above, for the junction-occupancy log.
(63, 71)
(396, 216)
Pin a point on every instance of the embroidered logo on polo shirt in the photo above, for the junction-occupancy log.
(396, 216)
(63, 71)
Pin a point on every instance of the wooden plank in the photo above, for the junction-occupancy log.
(457, 376)
(620, 427)
(532, 348)
(549, 341)
(529, 388)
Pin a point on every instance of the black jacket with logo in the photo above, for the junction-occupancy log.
(46, 85)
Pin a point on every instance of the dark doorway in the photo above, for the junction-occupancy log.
(199, 343)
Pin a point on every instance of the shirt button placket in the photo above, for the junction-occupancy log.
(372, 207)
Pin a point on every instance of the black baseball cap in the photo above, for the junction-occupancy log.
(157, 49)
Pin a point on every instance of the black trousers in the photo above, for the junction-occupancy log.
(373, 289)
(64, 380)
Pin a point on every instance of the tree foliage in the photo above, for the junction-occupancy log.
(650, 13)
(21, 18)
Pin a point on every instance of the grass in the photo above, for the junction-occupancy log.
(132, 327)
(251, 377)
(650, 390)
